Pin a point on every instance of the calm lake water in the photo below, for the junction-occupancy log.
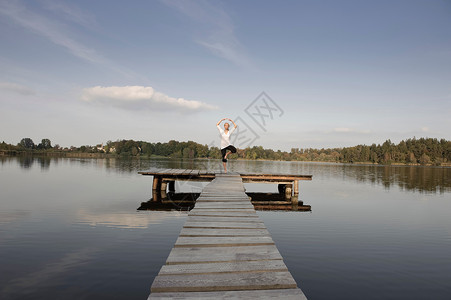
(70, 228)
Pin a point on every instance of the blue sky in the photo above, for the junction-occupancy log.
(339, 73)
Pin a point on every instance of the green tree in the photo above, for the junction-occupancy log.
(46, 144)
(425, 159)
(27, 143)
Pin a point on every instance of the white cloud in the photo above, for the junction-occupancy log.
(342, 129)
(349, 130)
(140, 97)
(425, 129)
(16, 88)
(218, 29)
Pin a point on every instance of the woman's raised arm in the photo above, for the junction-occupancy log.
(232, 122)
(217, 124)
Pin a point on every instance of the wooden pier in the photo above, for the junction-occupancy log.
(224, 250)
(164, 180)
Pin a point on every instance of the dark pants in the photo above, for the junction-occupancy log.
(224, 151)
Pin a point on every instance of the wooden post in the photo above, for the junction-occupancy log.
(171, 185)
(288, 190)
(163, 186)
(295, 201)
(156, 186)
(296, 187)
(156, 195)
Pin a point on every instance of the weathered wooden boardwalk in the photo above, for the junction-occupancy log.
(165, 178)
(224, 251)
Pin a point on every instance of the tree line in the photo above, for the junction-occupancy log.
(424, 151)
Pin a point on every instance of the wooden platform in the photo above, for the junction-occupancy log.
(224, 251)
(204, 175)
(165, 178)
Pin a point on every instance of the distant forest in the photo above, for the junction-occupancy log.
(424, 151)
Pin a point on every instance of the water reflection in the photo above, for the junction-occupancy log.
(421, 179)
(277, 201)
(7, 217)
(170, 201)
(27, 161)
(125, 220)
(186, 201)
(409, 178)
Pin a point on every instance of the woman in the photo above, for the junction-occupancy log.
(226, 146)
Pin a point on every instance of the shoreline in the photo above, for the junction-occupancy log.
(14, 153)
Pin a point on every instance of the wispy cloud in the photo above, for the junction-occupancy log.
(349, 130)
(139, 98)
(71, 12)
(50, 28)
(218, 29)
(16, 88)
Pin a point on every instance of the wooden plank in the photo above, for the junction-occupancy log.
(242, 218)
(223, 200)
(275, 175)
(224, 282)
(187, 172)
(228, 200)
(180, 171)
(223, 232)
(231, 209)
(224, 241)
(224, 204)
(222, 254)
(229, 188)
(238, 201)
(221, 205)
(286, 202)
(240, 195)
(165, 171)
(226, 196)
(223, 214)
(225, 267)
(230, 225)
(194, 172)
(204, 198)
(256, 178)
(285, 294)
(223, 219)
(150, 171)
(177, 171)
(224, 208)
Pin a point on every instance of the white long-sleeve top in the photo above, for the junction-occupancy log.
(225, 137)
